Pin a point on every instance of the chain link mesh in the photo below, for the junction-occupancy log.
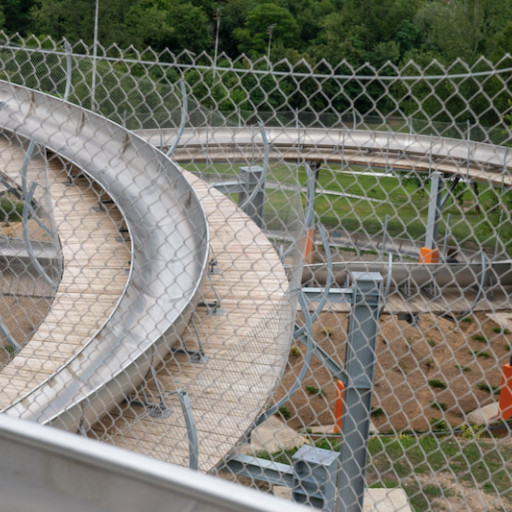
(157, 313)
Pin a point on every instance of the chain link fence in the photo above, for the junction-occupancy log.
(311, 297)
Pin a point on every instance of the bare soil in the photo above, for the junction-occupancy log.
(461, 356)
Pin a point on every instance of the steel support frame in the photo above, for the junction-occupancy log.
(313, 473)
(359, 372)
(434, 210)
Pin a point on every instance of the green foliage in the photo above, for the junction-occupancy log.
(480, 353)
(376, 32)
(479, 337)
(377, 412)
(168, 24)
(439, 424)
(11, 209)
(295, 351)
(441, 406)
(9, 349)
(312, 390)
(437, 384)
(284, 412)
(265, 21)
(493, 390)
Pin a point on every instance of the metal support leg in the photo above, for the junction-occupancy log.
(196, 356)
(252, 198)
(213, 308)
(434, 210)
(193, 445)
(359, 369)
(159, 410)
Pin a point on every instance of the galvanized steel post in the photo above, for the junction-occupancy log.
(434, 210)
(359, 371)
(251, 202)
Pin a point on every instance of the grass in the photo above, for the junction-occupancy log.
(438, 405)
(295, 351)
(437, 384)
(479, 353)
(479, 337)
(493, 390)
(284, 412)
(465, 369)
(476, 462)
(9, 349)
(377, 412)
(394, 461)
(312, 390)
(468, 320)
(11, 209)
(402, 200)
(500, 330)
(439, 424)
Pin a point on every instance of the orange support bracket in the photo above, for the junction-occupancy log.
(338, 406)
(505, 403)
(429, 255)
(310, 245)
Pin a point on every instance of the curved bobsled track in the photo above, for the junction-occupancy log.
(177, 225)
(108, 347)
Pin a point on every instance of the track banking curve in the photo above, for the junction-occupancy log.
(169, 255)
(169, 231)
(388, 150)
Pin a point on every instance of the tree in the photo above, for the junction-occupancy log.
(254, 36)
(16, 15)
(463, 29)
(168, 24)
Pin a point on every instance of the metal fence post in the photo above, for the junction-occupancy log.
(250, 179)
(359, 371)
(434, 210)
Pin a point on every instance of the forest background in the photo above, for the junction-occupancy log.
(373, 31)
(322, 55)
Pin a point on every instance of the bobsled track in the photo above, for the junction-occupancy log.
(125, 305)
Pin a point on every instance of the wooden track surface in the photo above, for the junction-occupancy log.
(247, 348)
(94, 274)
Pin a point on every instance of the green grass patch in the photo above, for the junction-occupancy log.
(312, 390)
(295, 351)
(284, 412)
(9, 349)
(500, 330)
(469, 460)
(464, 369)
(493, 390)
(11, 209)
(437, 384)
(479, 337)
(441, 406)
(360, 203)
(439, 424)
(468, 320)
(480, 353)
(377, 412)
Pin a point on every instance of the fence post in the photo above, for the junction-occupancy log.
(250, 179)
(359, 371)
(430, 253)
